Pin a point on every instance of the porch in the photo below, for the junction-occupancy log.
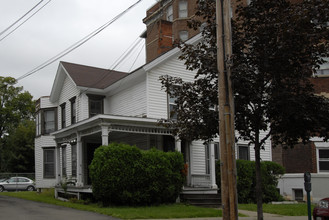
(76, 145)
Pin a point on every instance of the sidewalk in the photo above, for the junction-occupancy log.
(251, 216)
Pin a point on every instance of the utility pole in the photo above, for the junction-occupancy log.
(226, 111)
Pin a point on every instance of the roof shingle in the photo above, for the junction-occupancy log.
(92, 77)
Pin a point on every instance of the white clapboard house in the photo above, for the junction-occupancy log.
(89, 107)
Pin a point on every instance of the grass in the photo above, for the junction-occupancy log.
(158, 212)
(280, 209)
(151, 212)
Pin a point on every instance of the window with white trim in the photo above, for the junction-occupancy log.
(323, 160)
(183, 35)
(49, 122)
(74, 160)
(243, 152)
(170, 15)
(64, 161)
(182, 13)
(38, 123)
(49, 163)
(172, 114)
(207, 154)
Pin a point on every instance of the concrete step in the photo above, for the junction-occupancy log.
(207, 200)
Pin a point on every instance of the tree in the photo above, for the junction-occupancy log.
(276, 47)
(16, 105)
(19, 148)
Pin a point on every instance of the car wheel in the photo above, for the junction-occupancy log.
(30, 188)
(1, 189)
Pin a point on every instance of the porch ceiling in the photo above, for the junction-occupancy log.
(114, 123)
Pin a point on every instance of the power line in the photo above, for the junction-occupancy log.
(22, 18)
(77, 44)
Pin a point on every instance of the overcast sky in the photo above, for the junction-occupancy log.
(60, 24)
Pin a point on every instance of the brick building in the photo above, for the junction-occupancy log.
(166, 23)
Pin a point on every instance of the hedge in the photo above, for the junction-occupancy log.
(125, 175)
(246, 177)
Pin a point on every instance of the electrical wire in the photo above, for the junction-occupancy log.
(21, 19)
(77, 44)
(140, 51)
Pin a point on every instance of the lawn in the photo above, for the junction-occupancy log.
(151, 212)
(158, 212)
(280, 209)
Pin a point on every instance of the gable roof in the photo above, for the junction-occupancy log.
(92, 77)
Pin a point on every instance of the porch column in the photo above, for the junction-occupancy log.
(105, 135)
(58, 164)
(79, 161)
(212, 166)
(178, 144)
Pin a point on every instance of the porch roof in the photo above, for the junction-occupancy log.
(114, 123)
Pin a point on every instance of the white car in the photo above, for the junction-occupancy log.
(17, 184)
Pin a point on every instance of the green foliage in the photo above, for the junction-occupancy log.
(16, 106)
(18, 152)
(123, 174)
(246, 180)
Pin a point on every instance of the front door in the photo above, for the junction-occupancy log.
(91, 147)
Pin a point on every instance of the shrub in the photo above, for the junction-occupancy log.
(125, 175)
(246, 177)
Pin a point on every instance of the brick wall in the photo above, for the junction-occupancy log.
(300, 159)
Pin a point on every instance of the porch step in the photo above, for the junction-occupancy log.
(201, 199)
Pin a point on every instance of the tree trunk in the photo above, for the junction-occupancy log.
(259, 191)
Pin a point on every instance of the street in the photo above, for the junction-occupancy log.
(19, 209)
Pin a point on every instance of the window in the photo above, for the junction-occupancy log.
(95, 105)
(243, 152)
(183, 35)
(217, 151)
(73, 110)
(49, 163)
(323, 160)
(298, 194)
(38, 123)
(74, 160)
(64, 161)
(170, 16)
(172, 107)
(322, 72)
(182, 9)
(207, 152)
(63, 115)
(49, 124)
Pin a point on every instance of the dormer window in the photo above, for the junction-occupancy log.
(96, 105)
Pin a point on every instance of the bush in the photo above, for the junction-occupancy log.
(125, 175)
(246, 180)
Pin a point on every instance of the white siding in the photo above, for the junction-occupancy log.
(129, 102)
(156, 96)
(68, 91)
(40, 143)
(83, 107)
(45, 103)
(198, 158)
